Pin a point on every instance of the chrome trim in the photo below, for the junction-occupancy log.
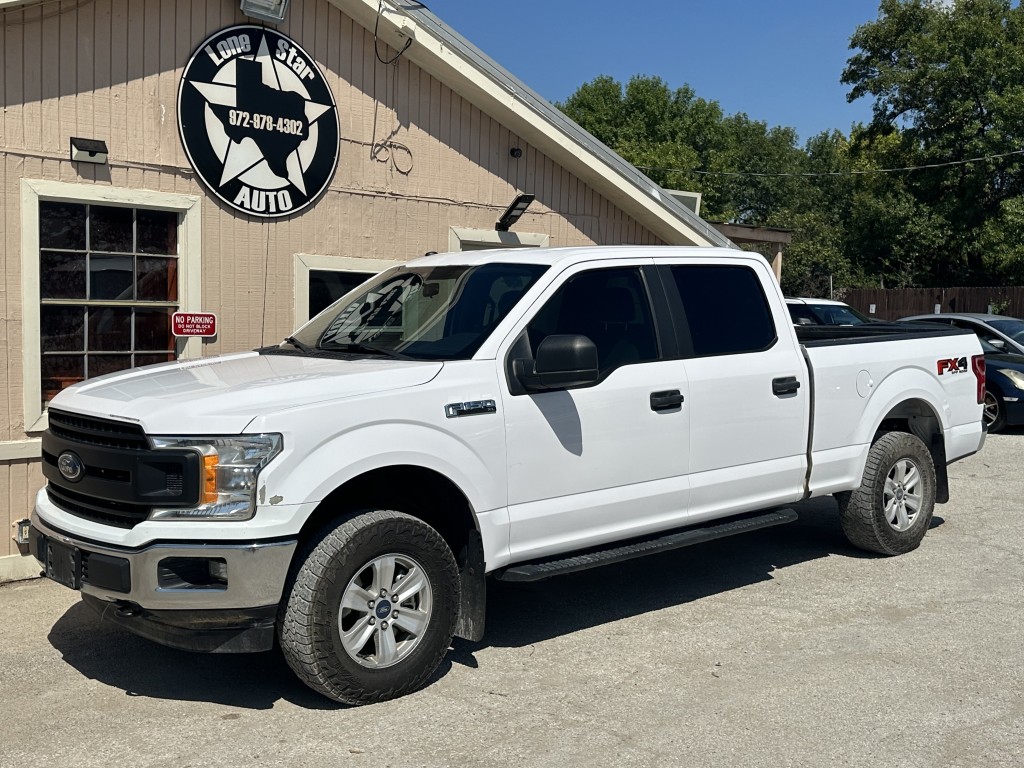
(472, 408)
(256, 572)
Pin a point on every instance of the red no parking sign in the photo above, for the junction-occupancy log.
(194, 324)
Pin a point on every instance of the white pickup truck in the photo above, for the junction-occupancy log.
(519, 413)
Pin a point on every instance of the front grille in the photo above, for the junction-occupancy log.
(93, 431)
(117, 475)
(115, 513)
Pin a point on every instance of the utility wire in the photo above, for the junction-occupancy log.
(813, 174)
(376, 49)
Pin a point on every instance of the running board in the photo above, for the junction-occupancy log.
(542, 569)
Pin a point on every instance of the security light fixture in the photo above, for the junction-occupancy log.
(88, 151)
(513, 212)
(273, 11)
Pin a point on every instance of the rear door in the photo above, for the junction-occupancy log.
(749, 397)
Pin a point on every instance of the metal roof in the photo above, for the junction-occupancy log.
(425, 18)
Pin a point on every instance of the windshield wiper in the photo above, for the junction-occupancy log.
(299, 345)
(362, 346)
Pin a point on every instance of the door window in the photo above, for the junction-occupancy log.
(608, 306)
(725, 308)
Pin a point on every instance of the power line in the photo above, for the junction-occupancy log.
(815, 174)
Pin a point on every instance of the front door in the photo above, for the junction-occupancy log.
(586, 464)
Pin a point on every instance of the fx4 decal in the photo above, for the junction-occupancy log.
(952, 365)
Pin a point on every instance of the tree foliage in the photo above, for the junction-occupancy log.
(947, 84)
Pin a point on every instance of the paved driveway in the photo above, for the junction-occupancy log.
(781, 647)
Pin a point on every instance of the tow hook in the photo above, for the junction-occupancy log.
(127, 610)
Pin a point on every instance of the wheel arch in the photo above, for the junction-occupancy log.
(428, 495)
(419, 491)
(920, 417)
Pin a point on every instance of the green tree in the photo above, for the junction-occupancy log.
(948, 83)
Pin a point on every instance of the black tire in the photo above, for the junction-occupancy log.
(341, 565)
(995, 411)
(867, 521)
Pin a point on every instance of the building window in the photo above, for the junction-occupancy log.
(108, 283)
(319, 281)
(103, 268)
(327, 286)
(465, 239)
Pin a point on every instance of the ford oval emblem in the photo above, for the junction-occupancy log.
(70, 466)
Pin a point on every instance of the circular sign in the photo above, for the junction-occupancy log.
(258, 121)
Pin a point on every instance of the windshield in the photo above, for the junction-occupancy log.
(826, 314)
(838, 314)
(1011, 326)
(428, 313)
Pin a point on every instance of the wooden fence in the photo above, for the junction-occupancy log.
(892, 304)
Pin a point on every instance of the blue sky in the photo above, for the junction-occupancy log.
(778, 60)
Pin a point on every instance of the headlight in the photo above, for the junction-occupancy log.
(1016, 377)
(231, 466)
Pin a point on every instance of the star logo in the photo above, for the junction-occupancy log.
(258, 121)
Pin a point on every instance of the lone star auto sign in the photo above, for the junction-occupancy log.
(258, 121)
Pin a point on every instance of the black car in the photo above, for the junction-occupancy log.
(1004, 377)
(1004, 388)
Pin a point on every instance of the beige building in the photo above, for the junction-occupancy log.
(154, 161)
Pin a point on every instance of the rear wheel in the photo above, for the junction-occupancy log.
(372, 609)
(891, 511)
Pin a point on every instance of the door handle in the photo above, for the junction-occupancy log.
(666, 400)
(786, 385)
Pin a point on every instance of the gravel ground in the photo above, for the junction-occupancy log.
(783, 647)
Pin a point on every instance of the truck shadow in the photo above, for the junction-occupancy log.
(113, 656)
(521, 614)
(518, 615)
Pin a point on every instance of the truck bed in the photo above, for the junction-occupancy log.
(829, 335)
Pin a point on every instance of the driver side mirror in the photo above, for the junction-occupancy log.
(997, 343)
(564, 361)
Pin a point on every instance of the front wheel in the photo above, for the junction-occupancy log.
(891, 510)
(372, 609)
(995, 411)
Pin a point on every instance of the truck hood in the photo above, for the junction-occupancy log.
(221, 395)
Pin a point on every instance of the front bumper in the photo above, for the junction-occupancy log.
(1014, 412)
(141, 588)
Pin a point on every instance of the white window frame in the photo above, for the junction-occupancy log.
(457, 236)
(33, 191)
(304, 263)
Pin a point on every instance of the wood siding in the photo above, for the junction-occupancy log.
(109, 69)
(19, 481)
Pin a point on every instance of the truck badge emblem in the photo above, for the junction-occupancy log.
(952, 365)
(258, 121)
(70, 466)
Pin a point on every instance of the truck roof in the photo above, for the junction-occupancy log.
(571, 255)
